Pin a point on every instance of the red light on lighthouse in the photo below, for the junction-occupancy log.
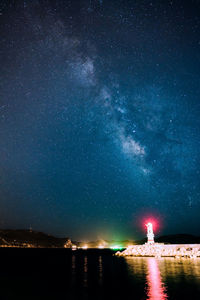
(149, 224)
(153, 222)
(155, 219)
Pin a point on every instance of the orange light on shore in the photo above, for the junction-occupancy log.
(85, 247)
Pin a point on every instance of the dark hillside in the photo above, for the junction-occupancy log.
(34, 238)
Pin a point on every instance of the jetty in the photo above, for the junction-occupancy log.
(158, 250)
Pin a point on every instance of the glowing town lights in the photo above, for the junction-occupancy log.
(85, 247)
(116, 247)
(101, 247)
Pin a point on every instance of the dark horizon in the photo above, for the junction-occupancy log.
(13, 236)
(137, 237)
(100, 117)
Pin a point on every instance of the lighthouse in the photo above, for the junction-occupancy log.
(150, 234)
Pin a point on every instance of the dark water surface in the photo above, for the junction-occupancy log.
(95, 274)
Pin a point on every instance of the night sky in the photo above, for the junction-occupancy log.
(100, 116)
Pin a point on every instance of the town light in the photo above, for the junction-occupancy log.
(85, 247)
(116, 247)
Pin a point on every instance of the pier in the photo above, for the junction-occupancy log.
(153, 249)
(162, 250)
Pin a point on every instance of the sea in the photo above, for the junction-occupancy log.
(95, 274)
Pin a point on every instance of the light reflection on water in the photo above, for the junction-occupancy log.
(189, 268)
(73, 276)
(96, 275)
(156, 289)
(158, 272)
(145, 278)
(85, 274)
(100, 271)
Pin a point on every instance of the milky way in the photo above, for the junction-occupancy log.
(99, 116)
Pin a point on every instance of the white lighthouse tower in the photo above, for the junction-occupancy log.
(150, 234)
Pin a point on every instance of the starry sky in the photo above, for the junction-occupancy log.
(100, 116)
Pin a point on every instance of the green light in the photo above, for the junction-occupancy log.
(116, 247)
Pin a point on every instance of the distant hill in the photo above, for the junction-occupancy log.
(179, 239)
(12, 237)
(175, 239)
(29, 238)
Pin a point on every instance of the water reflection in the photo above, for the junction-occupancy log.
(165, 275)
(156, 290)
(85, 270)
(73, 277)
(189, 268)
(100, 271)
(137, 266)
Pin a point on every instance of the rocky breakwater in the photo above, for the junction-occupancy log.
(162, 250)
